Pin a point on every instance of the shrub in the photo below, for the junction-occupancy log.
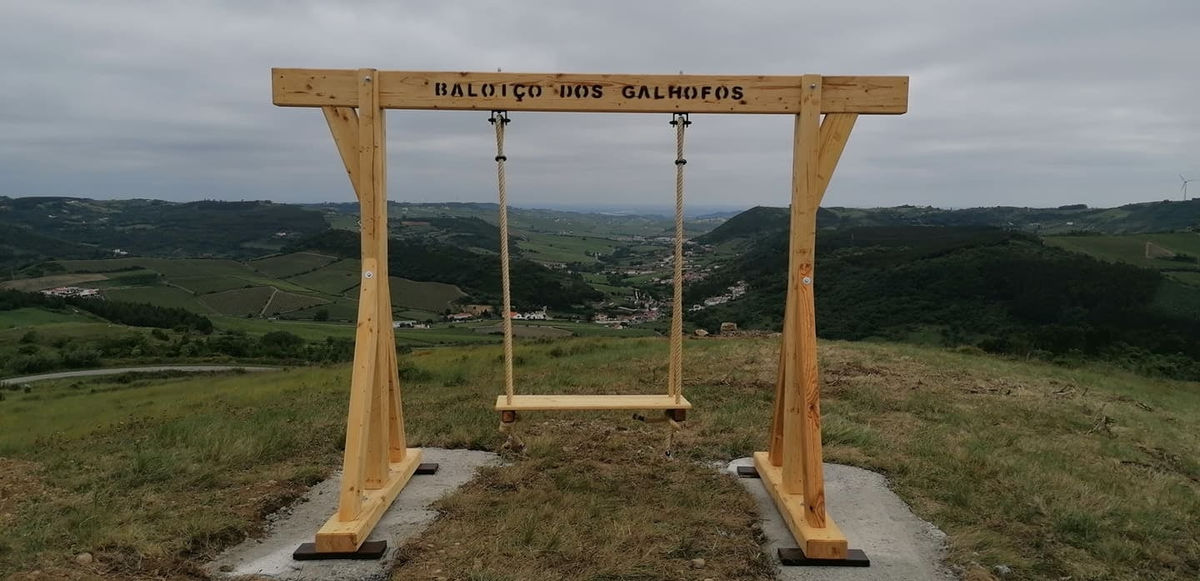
(31, 363)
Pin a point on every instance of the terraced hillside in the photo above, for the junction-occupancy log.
(294, 285)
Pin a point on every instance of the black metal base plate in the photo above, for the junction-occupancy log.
(427, 468)
(747, 472)
(794, 557)
(369, 550)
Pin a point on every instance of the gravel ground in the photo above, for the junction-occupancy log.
(271, 557)
(901, 546)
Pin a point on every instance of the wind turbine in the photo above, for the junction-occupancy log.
(1183, 188)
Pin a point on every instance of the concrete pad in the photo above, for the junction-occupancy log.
(271, 557)
(901, 546)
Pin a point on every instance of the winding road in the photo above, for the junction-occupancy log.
(151, 369)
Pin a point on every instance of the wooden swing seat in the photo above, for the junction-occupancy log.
(525, 403)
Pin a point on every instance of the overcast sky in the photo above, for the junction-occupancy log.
(1016, 102)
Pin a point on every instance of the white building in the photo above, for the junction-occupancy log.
(72, 291)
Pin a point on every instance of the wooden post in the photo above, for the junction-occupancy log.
(801, 416)
(377, 464)
(792, 467)
(835, 131)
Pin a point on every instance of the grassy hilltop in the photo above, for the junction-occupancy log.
(1049, 457)
(1087, 473)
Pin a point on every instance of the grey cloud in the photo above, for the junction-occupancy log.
(1025, 103)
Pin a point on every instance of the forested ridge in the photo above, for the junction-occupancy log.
(476, 273)
(996, 290)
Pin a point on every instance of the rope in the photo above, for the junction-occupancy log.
(675, 373)
(499, 119)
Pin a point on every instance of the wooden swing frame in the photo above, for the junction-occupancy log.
(377, 462)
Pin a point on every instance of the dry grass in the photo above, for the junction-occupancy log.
(1058, 473)
(592, 500)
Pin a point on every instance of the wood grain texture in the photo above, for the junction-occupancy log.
(344, 536)
(802, 472)
(591, 402)
(775, 440)
(826, 542)
(358, 417)
(373, 203)
(343, 125)
(613, 93)
(355, 465)
(397, 439)
(835, 132)
(805, 327)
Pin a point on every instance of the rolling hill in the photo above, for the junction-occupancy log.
(85, 228)
(997, 290)
(476, 274)
(1164, 216)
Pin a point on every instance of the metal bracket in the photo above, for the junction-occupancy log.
(794, 557)
(369, 550)
(747, 472)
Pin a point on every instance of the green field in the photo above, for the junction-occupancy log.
(169, 267)
(1056, 473)
(524, 331)
(131, 278)
(287, 265)
(241, 302)
(439, 336)
(565, 248)
(600, 282)
(28, 317)
(199, 275)
(1131, 249)
(285, 302)
(202, 285)
(307, 282)
(310, 331)
(433, 297)
(57, 280)
(1188, 278)
(1178, 299)
(75, 331)
(333, 279)
(339, 309)
(163, 296)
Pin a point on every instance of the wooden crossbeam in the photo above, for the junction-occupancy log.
(612, 93)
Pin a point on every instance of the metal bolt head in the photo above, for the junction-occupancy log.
(806, 280)
(368, 274)
(367, 79)
(812, 86)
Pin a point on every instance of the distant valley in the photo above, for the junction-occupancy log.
(1019, 281)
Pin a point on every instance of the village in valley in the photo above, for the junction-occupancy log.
(639, 273)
